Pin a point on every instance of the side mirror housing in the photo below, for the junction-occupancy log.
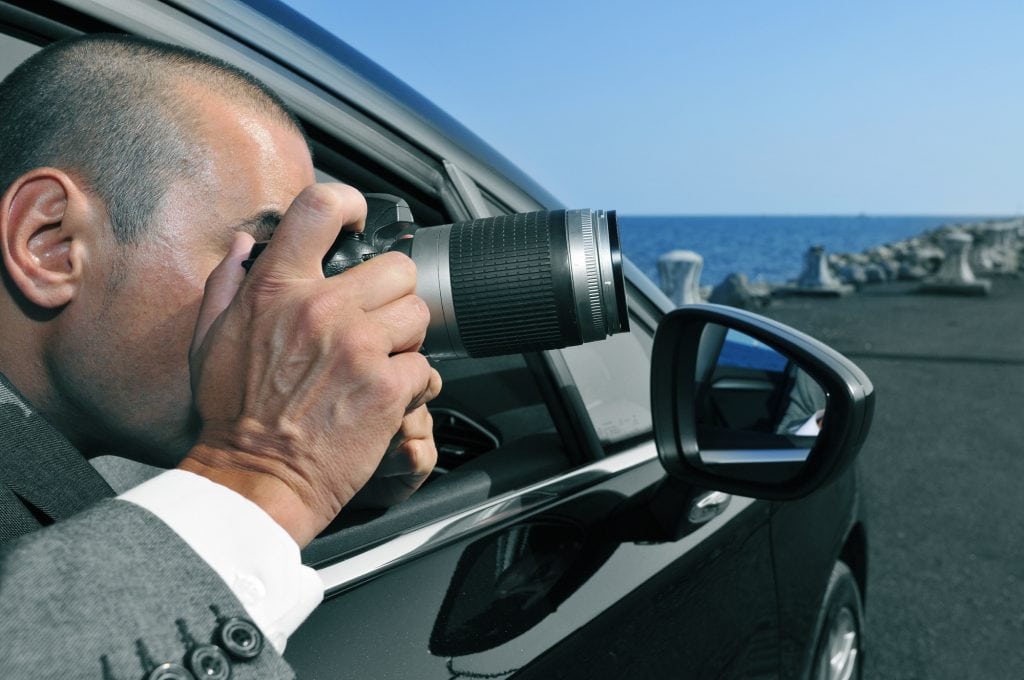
(749, 406)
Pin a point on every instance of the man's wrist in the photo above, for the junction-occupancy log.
(279, 500)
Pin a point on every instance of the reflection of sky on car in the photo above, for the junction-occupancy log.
(742, 351)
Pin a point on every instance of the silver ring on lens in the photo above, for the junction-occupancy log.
(593, 281)
(430, 250)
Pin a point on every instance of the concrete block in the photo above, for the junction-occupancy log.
(736, 291)
(955, 276)
(679, 276)
(817, 278)
(852, 274)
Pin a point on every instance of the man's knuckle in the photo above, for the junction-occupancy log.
(403, 269)
(419, 370)
(359, 344)
(317, 199)
(317, 312)
(422, 457)
(429, 460)
(390, 386)
(419, 311)
(356, 202)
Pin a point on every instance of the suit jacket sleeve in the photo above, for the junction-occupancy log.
(78, 597)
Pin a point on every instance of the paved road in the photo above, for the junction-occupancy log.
(943, 470)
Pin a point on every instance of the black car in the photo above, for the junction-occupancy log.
(550, 542)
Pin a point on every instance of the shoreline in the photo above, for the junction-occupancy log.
(952, 258)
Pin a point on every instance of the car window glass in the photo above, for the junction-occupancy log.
(12, 52)
(613, 378)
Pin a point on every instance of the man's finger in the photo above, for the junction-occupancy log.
(309, 228)
(417, 424)
(222, 285)
(404, 321)
(380, 280)
(422, 382)
(416, 457)
(432, 390)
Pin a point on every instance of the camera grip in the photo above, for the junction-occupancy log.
(348, 250)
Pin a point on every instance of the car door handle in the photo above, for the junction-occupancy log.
(707, 506)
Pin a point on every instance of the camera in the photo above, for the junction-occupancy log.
(499, 285)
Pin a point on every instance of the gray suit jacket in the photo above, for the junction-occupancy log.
(90, 586)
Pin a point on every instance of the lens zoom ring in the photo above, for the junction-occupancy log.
(502, 286)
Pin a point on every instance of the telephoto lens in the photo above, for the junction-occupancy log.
(499, 285)
(519, 283)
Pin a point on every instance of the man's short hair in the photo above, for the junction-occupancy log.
(111, 111)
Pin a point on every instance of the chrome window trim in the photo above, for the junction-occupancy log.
(357, 568)
(364, 565)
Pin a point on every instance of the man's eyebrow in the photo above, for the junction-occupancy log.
(261, 226)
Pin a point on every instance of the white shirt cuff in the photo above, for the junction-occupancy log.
(251, 553)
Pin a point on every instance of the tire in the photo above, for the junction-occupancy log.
(839, 652)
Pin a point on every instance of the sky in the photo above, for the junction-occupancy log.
(725, 107)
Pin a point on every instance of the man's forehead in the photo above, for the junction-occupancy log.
(252, 159)
(254, 164)
(216, 98)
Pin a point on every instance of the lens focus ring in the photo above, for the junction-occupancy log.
(510, 284)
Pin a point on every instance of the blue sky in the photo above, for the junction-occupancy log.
(728, 107)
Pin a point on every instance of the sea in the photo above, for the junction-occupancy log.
(766, 248)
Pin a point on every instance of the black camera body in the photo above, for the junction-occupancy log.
(499, 285)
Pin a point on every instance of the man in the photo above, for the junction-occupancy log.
(136, 177)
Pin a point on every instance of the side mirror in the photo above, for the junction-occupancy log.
(749, 406)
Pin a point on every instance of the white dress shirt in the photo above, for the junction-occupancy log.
(251, 553)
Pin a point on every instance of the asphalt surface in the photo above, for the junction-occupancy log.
(943, 471)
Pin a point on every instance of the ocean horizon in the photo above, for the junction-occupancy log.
(767, 248)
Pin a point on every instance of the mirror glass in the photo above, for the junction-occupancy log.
(754, 405)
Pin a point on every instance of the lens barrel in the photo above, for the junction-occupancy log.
(518, 283)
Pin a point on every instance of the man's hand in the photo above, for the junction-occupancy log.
(300, 381)
(407, 464)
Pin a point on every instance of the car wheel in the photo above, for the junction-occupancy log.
(838, 653)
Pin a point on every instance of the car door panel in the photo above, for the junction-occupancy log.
(808, 534)
(572, 583)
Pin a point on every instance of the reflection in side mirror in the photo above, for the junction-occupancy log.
(747, 405)
(753, 404)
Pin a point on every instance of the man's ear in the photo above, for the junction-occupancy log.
(43, 217)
